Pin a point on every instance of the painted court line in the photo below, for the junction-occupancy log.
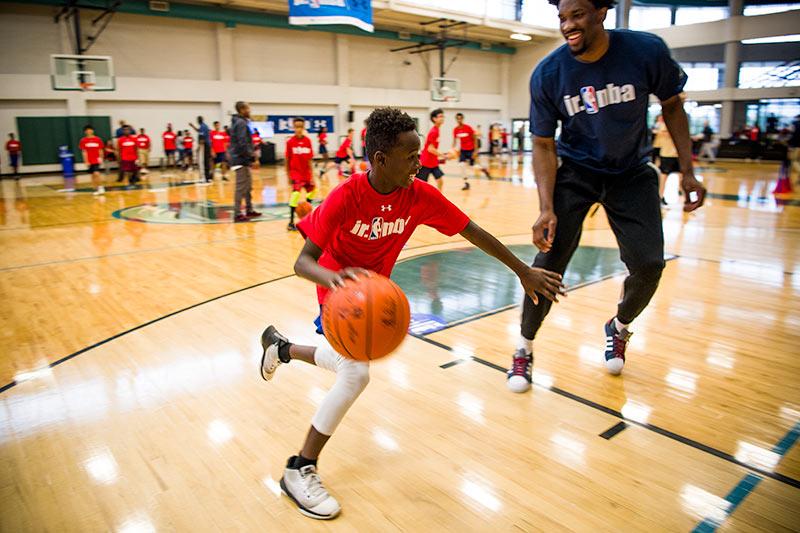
(792, 482)
(747, 485)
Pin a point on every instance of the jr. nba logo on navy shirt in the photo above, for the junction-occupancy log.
(592, 100)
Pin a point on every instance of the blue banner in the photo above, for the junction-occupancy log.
(356, 13)
(283, 123)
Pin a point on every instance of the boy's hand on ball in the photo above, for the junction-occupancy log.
(541, 281)
(344, 274)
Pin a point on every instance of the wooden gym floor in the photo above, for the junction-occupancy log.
(131, 398)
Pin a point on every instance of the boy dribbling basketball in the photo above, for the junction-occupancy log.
(364, 224)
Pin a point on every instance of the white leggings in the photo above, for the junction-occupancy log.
(351, 378)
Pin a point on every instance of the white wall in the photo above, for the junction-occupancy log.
(155, 47)
(283, 56)
(171, 70)
(522, 65)
(27, 39)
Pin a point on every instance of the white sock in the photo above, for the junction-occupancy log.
(525, 344)
(619, 326)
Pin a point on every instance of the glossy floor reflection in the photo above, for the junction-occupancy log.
(155, 417)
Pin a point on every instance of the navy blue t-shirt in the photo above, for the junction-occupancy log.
(602, 106)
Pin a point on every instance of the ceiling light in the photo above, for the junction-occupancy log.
(520, 37)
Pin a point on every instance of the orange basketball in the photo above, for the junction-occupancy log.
(366, 319)
(303, 209)
(363, 166)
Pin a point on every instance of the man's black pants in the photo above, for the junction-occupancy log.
(632, 204)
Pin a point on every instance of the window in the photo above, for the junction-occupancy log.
(698, 115)
(649, 18)
(784, 109)
(758, 74)
(696, 15)
(704, 76)
(540, 13)
(774, 8)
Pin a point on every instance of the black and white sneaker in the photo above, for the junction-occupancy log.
(518, 377)
(304, 487)
(272, 342)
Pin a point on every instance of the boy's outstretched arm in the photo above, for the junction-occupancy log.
(307, 266)
(534, 280)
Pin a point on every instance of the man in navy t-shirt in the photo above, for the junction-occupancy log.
(598, 85)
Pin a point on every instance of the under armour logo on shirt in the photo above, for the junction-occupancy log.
(386, 208)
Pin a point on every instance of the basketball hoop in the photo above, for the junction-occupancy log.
(86, 86)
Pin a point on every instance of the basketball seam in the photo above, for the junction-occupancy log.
(341, 343)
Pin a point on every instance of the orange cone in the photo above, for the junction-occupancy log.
(784, 184)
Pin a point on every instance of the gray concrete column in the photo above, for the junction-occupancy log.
(623, 13)
(732, 53)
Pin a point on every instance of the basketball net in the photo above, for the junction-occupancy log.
(86, 86)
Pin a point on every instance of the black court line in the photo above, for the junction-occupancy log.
(453, 363)
(13, 383)
(613, 431)
(792, 482)
(140, 326)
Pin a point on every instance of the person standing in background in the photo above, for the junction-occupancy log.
(203, 147)
(219, 144)
(707, 148)
(168, 137)
(143, 142)
(188, 147)
(13, 147)
(241, 149)
(256, 136)
(128, 153)
(322, 139)
(92, 148)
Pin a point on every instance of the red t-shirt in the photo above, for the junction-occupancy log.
(358, 227)
(299, 152)
(218, 142)
(14, 146)
(364, 136)
(427, 159)
(169, 140)
(143, 141)
(93, 146)
(466, 136)
(127, 148)
(188, 142)
(754, 132)
(256, 139)
(323, 138)
(342, 152)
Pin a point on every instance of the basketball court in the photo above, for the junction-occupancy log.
(131, 399)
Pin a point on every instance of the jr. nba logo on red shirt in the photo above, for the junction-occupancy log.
(589, 100)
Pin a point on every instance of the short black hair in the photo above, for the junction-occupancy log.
(384, 125)
(460, 115)
(597, 3)
(437, 111)
(299, 119)
(88, 127)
